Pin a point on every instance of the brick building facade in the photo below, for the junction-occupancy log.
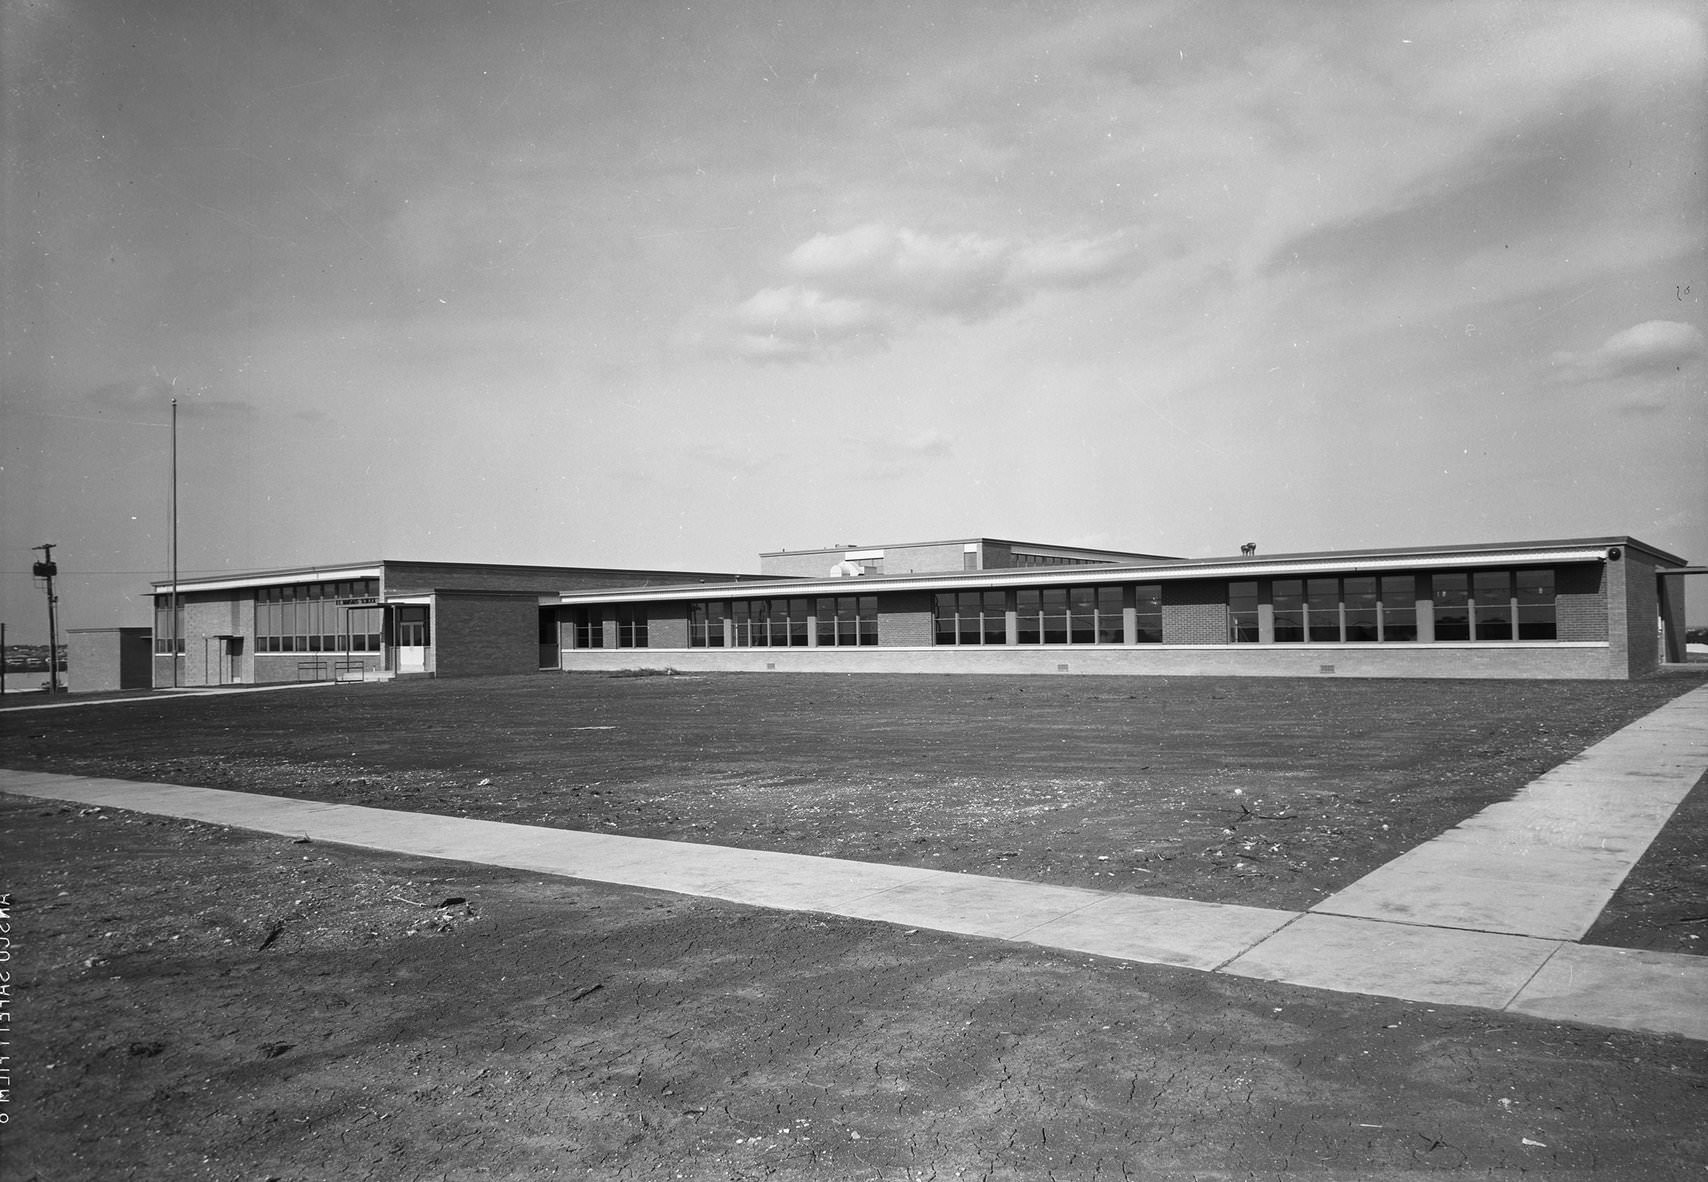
(373, 620)
(1583, 608)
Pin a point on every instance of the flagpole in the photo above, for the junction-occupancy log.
(176, 640)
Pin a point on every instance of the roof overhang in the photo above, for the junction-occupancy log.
(313, 574)
(1081, 575)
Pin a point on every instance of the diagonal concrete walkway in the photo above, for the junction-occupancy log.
(1485, 915)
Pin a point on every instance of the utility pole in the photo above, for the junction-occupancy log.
(47, 569)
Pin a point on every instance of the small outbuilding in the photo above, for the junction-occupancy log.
(105, 659)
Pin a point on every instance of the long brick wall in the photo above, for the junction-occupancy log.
(1195, 641)
(1583, 661)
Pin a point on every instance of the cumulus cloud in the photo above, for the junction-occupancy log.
(868, 284)
(956, 275)
(1653, 348)
(787, 323)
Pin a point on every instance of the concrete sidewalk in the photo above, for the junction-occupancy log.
(1485, 915)
(124, 698)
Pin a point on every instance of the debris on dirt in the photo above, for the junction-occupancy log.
(271, 936)
(453, 901)
(146, 1050)
(273, 1050)
(303, 840)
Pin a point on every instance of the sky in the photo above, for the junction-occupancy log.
(665, 285)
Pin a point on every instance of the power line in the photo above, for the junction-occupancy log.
(212, 570)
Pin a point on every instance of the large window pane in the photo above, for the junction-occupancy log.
(1289, 599)
(995, 613)
(943, 618)
(1358, 603)
(969, 627)
(1450, 592)
(589, 628)
(1055, 615)
(1082, 615)
(1399, 607)
(1029, 613)
(1492, 591)
(849, 620)
(970, 617)
(168, 625)
(1322, 609)
(706, 625)
(1536, 610)
(1110, 626)
(1147, 613)
(868, 610)
(1242, 612)
(631, 626)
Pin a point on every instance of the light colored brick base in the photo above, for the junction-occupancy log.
(1537, 660)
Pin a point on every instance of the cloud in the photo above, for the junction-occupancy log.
(956, 275)
(867, 284)
(1653, 348)
(791, 322)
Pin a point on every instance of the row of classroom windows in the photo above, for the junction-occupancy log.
(286, 624)
(841, 620)
(1463, 605)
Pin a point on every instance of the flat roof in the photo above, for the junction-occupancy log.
(1315, 562)
(376, 569)
(1042, 546)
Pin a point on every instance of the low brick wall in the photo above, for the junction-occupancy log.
(1538, 660)
(272, 668)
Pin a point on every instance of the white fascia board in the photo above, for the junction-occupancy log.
(325, 574)
(856, 555)
(1082, 575)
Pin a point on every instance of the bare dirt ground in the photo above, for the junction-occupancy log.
(197, 1003)
(1271, 793)
(194, 1002)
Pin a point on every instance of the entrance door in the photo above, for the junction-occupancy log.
(232, 674)
(413, 638)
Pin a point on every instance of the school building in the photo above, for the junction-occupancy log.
(1608, 607)
(373, 620)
